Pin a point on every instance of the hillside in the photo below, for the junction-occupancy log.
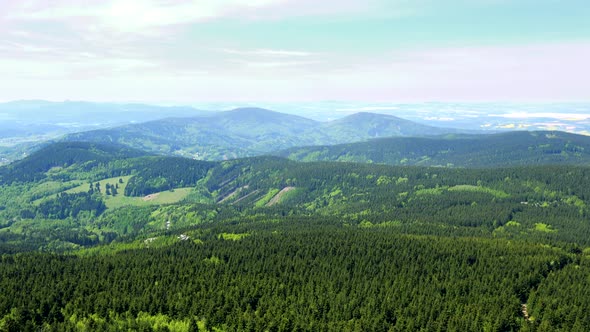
(249, 132)
(356, 192)
(427, 248)
(58, 156)
(505, 149)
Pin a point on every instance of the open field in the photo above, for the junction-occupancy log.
(119, 200)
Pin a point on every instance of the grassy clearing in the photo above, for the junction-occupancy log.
(120, 200)
(233, 236)
(264, 200)
(279, 197)
(103, 184)
(541, 227)
(429, 191)
(51, 187)
(164, 197)
(493, 192)
(289, 195)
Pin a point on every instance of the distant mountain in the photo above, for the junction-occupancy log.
(505, 149)
(360, 126)
(251, 131)
(266, 120)
(81, 114)
(25, 124)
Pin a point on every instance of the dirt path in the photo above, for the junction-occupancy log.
(278, 196)
(248, 195)
(232, 194)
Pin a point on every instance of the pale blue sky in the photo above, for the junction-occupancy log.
(295, 50)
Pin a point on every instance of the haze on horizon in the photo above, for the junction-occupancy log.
(295, 50)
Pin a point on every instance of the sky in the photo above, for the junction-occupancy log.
(295, 50)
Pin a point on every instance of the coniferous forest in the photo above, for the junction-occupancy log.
(294, 165)
(103, 238)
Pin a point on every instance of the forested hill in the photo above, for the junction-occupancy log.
(160, 243)
(57, 156)
(504, 149)
(251, 131)
(472, 198)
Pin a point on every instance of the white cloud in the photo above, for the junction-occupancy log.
(260, 59)
(268, 53)
(76, 68)
(131, 15)
(273, 64)
(543, 71)
(9, 46)
(136, 15)
(71, 41)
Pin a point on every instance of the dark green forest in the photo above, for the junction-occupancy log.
(456, 150)
(270, 244)
(305, 275)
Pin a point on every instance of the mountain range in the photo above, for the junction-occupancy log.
(44, 117)
(28, 124)
(251, 131)
(112, 226)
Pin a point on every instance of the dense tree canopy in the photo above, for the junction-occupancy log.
(301, 275)
(270, 244)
